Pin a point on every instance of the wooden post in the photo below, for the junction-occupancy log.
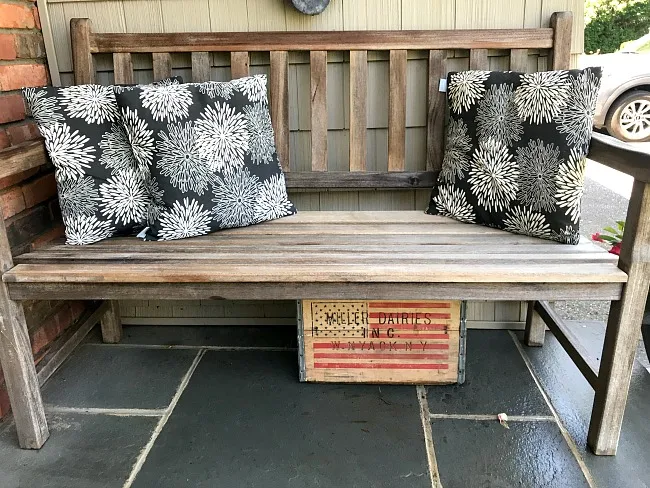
(623, 327)
(535, 327)
(112, 324)
(18, 362)
(82, 58)
(560, 55)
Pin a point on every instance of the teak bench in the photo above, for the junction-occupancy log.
(339, 255)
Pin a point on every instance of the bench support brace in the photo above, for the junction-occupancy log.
(112, 324)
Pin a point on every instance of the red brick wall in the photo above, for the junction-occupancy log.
(28, 199)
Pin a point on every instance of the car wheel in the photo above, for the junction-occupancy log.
(629, 117)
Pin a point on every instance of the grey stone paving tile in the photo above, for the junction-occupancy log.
(245, 421)
(497, 380)
(483, 454)
(116, 377)
(572, 397)
(84, 451)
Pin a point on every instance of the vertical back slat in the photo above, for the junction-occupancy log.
(519, 60)
(478, 59)
(239, 64)
(397, 111)
(162, 66)
(436, 110)
(560, 55)
(123, 68)
(318, 69)
(82, 59)
(200, 67)
(279, 89)
(358, 114)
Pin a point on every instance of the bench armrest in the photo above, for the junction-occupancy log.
(22, 157)
(621, 156)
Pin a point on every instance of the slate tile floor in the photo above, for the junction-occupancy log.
(200, 407)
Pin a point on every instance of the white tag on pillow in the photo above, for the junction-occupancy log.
(143, 233)
(443, 85)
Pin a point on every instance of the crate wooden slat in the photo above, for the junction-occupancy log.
(380, 341)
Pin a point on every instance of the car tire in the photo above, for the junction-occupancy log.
(629, 117)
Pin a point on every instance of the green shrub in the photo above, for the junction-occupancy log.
(613, 22)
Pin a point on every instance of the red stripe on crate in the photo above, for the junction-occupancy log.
(379, 366)
(373, 355)
(343, 346)
(432, 315)
(399, 335)
(408, 305)
(411, 326)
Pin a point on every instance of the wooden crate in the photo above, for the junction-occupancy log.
(382, 341)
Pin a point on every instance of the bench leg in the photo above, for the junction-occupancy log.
(623, 327)
(20, 374)
(621, 342)
(535, 327)
(112, 324)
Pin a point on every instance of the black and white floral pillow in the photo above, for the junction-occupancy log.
(102, 190)
(516, 149)
(211, 151)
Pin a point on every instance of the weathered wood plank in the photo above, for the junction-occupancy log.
(436, 110)
(535, 331)
(560, 55)
(297, 291)
(279, 88)
(478, 59)
(397, 111)
(17, 361)
(324, 41)
(22, 157)
(81, 37)
(519, 60)
(359, 179)
(112, 324)
(318, 77)
(123, 68)
(200, 67)
(239, 61)
(623, 327)
(162, 66)
(358, 107)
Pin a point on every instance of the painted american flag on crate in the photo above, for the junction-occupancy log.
(382, 341)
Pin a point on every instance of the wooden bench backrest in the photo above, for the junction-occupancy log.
(556, 39)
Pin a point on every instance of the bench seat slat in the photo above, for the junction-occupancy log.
(328, 247)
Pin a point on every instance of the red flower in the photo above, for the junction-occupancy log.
(596, 237)
(616, 249)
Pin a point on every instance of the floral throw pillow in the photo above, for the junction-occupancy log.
(102, 189)
(211, 151)
(516, 149)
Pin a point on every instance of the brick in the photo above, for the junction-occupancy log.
(17, 16)
(27, 225)
(12, 108)
(12, 202)
(5, 142)
(22, 132)
(51, 328)
(8, 46)
(16, 76)
(12, 180)
(37, 18)
(30, 46)
(55, 233)
(39, 190)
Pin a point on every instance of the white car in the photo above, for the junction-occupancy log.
(623, 106)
